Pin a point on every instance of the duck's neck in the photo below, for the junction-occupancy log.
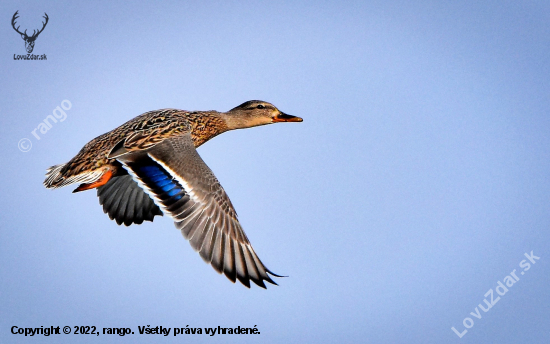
(235, 120)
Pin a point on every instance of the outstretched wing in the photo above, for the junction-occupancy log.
(175, 176)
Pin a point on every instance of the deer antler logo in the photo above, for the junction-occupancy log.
(29, 41)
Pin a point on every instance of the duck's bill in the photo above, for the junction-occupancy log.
(283, 117)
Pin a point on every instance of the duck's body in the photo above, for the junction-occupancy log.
(151, 162)
(139, 133)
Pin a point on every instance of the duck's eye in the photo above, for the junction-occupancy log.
(261, 106)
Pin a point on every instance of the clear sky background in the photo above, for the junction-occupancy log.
(417, 181)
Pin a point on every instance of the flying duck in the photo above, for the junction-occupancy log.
(150, 166)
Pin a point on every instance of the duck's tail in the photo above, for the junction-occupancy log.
(60, 175)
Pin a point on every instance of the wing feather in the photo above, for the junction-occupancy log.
(124, 201)
(181, 184)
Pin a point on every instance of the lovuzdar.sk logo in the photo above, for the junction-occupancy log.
(29, 40)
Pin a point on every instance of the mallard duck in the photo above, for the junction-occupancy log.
(150, 166)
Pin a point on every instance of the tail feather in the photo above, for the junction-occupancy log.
(55, 177)
(53, 174)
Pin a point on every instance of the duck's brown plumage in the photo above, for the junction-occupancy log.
(149, 166)
(141, 132)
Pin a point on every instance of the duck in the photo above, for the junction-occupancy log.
(149, 166)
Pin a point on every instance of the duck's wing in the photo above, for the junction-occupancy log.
(125, 202)
(178, 180)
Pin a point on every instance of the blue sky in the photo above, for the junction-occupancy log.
(417, 181)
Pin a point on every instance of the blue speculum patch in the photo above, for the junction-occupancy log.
(158, 179)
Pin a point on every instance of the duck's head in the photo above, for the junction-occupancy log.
(254, 113)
